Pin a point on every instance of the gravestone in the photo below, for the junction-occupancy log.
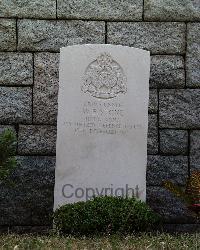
(102, 122)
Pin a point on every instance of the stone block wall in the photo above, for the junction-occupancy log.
(31, 33)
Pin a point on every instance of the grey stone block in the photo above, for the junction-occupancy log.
(101, 10)
(29, 9)
(162, 168)
(153, 101)
(193, 55)
(36, 139)
(30, 200)
(162, 38)
(152, 142)
(171, 10)
(50, 35)
(195, 150)
(179, 108)
(167, 72)
(173, 142)
(16, 68)
(45, 91)
(171, 209)
(15, 105)
(7, 34)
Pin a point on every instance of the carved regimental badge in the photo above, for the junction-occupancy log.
(104, 78)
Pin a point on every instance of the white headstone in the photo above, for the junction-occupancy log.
(102, 122)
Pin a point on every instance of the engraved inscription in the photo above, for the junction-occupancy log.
(102, 118)
(104, 78)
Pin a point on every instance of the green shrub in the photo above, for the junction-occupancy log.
(7, 154)
(105, 214)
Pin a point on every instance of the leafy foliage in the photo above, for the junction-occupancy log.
(105, 214)
(193, 187)
(177, 191)
(7, 154)
(190, 194)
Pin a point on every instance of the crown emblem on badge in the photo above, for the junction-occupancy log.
(104, 78)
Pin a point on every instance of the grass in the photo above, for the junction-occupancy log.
(143, 241)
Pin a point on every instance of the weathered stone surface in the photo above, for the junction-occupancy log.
(152, 142)
(162, 38)
(7, 34)
(173, 142)
(45, 91)
(15, 105)
(179, 108)
(195, 150)
(102, 120)
(16, 69)
(162, 168)
(193, 55)
(168, 206)
(40, 35)
(171, 10)
(101, 10)
(36, 139)
(167, 72)
(153, 101)
(29, 9)
(30, 201)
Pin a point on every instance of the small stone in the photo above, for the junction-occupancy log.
(40, 35)
(167, 72)
(30, 200)
(179, 108)
(45, 91)
(171, 208)
(7, 34)
(162, 38)
(162, 168)
(171, 10)
(28, 9)
(193, 55)
(153, 101)
(16, 69)
(15, 105)
(101, 10)
(36, 139)
(152, 142)
(173, 142)
(195, 150)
